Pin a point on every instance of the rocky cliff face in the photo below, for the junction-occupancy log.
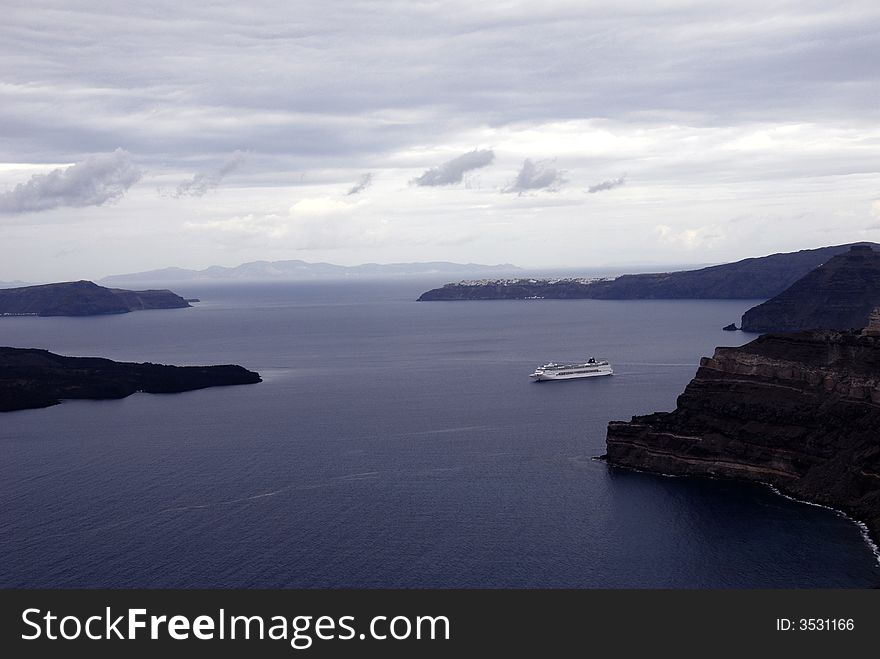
(82, 298)
(799, 411)
(839, 294)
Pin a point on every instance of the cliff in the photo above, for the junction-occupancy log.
(31, 378)
(837, 295)
(82, 298)
(800, 411)
(753, 278)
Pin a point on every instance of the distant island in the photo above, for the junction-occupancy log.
(31, 378)
(296, 270)
(82, 298)
(753, 278)
(839, 294)
(799, 411)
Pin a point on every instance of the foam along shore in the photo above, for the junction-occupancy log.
(797, 411)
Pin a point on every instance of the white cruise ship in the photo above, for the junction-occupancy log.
(589, 369)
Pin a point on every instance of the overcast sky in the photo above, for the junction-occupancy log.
(140, 135)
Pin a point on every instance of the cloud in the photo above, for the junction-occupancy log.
(363, 183)
(691, 238)
(453, 171)
(316, 206)
(609, 184)
(875, 211)
(242, 227)
(741, 108)
(94, 181)
(200, 184)
(309, 224)
(258, 82)
(536, 176)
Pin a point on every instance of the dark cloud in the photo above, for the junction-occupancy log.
(260, 81)
(363, 183)
(453, 171)
(609, 184)
(536, 176)
(202, 183)
(94, 181)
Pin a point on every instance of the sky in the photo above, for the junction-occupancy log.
(142, 135)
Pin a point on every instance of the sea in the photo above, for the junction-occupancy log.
(391, 444)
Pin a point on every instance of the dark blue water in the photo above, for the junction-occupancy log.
(392, 444)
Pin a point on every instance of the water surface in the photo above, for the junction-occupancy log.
(392, 444)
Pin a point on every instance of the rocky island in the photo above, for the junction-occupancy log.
(799, 411)
(82, 298)
(754, 278)
(31, 378)
(839, 294)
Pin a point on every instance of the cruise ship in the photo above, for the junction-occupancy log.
(589, 369)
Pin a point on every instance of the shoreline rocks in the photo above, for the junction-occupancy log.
(797, 411)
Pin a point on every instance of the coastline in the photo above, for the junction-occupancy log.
(865, 531)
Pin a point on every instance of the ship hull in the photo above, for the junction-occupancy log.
(549, 377)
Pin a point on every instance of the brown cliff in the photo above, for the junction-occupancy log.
(799, 411)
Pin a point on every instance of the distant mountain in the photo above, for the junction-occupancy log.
(82, 298)
(14, 284)
(303, 270)
(753, 278)
(840, 294)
